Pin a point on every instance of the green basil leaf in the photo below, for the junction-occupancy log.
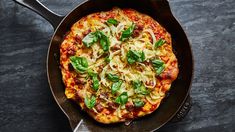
(112, 21)
(105, 43)
(95, 82)
(128, 32)
(80, 64)
(93, 37)
(90, 102)
(136, 84)
(90, 72)
(116, 86)
(104, 40)
(138, 103)
(107, 59)
(160, 70)
(139, 88)
(158, 65)
(90, 39)
(112, 77)
(135, 56)
(122, 98)
(159, 43)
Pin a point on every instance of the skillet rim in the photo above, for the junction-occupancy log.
(178, 24)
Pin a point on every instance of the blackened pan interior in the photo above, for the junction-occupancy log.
(160, 11)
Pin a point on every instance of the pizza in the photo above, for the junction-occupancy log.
(117, 65)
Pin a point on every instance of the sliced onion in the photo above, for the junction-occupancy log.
(150, 31)
(152, 101)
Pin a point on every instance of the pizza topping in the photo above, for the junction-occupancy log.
(158, 65)
(159, 43)
(80, 64)
(129, 106)
(122, 98)
(137, 30)
(90, 102)
(138, 103)
(151, 100)
(128, 32)
(115, 47)
(140, 88)
(90, 39)
(99, 107)
(135, 56)
(112, 77)
(116, 86)
(71, 50)
(95, 80)
(93, 37)
(112, 106)
(107, 59)
(112, 21)
(104, 41)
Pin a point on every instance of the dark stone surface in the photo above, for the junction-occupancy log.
(26, 103)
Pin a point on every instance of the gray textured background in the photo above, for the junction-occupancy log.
(26, 103)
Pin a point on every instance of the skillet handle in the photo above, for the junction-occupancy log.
(39, 8)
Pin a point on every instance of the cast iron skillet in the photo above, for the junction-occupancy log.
(176, 101)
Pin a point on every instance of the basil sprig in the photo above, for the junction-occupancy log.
(90, 102)
(122, 98)
(112, 77)
(116, 86)
(128, 32)
(90, 39)
(139, 88)
(95, 80)
(104, 41)
(158, 65)
(135, 56)
(159, 43)
(93, 37)
(112, 21)
(138, 103)
(80, 64)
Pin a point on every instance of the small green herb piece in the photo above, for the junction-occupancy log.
(90, 102)
(139, 88)
(90, 39)
(116, 86)
(95, 79)
(128, 32)
(107, 59)
(80, 64)
(93, 37)
(122, 98)
(138, 103)
(104, 40)
(159, 66)
(112, 77)
(112, 21)
(135, 56)
(90, 72)
(95, 82)
(159, 43)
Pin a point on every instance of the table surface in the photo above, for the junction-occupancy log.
(26, 100)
